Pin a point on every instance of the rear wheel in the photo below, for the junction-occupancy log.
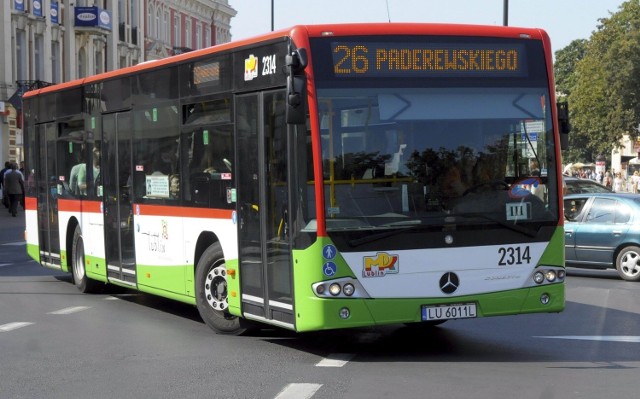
(211, 293)
(80, 279)
(628, 263)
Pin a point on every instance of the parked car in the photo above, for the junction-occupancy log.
(602, 230)
(575, 185)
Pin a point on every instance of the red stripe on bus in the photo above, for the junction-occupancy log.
(30, 203)
(163, 210)
(76, 205)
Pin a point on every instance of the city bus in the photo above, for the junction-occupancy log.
(317, 177)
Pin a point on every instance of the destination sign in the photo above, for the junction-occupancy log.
(354, 59)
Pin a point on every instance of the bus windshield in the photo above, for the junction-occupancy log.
(399, 153)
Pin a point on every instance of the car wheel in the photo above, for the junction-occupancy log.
(211, 293)
(628, 263)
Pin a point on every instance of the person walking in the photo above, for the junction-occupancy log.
(5, 198)
(14, 185)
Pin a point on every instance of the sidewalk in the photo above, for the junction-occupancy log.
(11, 228)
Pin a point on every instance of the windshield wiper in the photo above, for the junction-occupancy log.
(511, 226)
(379, 236)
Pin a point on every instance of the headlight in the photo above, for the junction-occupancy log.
(334, 289)
(348, 289)
(538, 277)
(550, 275)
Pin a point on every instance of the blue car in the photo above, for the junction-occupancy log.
(602, 230)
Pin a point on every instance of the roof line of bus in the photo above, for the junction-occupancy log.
(354, 29)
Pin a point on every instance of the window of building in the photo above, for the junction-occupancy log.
(82, 63)
(38, 55)
(150, 32)
(198, 35)
(158, 28)
(207, 36)
(21, 55)
(55, 62)
(176, 31)
(165, 27)
(187, 33)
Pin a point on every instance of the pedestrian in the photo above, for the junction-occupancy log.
(619, 184)
(5, 199)
(14, 186)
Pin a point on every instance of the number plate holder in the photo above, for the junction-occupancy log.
(449, 311)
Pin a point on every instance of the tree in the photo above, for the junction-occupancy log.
(604, 88)
(565, 64)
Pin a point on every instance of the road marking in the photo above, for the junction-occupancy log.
(5, 264)
(335, 360)
(608, 338)
(15, 243)
(72, 309)
(298, 391)
(14, 326)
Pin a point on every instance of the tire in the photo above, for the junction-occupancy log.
(628, 263)
(80, 279)
(211, 293)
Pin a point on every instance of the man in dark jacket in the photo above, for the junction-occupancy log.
(5, 197)
(14, 186)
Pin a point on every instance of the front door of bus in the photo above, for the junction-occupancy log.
(118, 198)
(262, 196)
(48, 191)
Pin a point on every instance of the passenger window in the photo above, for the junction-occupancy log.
(572, 209)
(623, 213)
(602, 211)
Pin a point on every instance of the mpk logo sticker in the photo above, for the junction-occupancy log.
(250, 68)
(380, 264)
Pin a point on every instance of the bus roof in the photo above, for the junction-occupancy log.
(323, 30)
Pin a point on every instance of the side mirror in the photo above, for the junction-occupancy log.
(563, 124)
(296, 61)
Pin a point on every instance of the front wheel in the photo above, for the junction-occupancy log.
(628, 263)
(80, 279)
(211, 293)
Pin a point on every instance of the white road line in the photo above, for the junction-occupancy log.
(298, 391)
(609, 338)
(335, 360)
(72, 309)
(14, 326)
(5, 264)
(15, 243)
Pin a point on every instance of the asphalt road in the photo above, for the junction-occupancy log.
(58, 343)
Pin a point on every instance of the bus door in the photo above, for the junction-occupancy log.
(262, 196)
(47, 192)
(118, 197)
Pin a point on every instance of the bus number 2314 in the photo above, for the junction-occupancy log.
(513, 256)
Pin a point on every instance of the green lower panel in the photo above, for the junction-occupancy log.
(96, 268)
(322, 314)
(164, 278)
(34, 252)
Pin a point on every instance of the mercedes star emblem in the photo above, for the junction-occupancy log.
(449, 282)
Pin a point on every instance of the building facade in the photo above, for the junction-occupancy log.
(54, 41)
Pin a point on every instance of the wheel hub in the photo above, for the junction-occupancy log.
(215, 288)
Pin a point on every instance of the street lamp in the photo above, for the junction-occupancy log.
(272, 15)
(505, 13)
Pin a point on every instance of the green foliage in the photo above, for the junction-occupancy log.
(601, 79)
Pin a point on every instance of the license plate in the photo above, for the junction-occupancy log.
(446, 312)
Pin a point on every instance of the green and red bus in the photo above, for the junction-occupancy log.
(317, 177)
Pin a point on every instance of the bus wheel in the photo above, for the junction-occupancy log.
(628, 263)
(211, 293)
(80, 279)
